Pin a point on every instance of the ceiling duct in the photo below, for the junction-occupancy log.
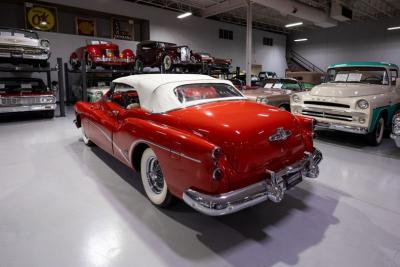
(299, 10)
(340, 12)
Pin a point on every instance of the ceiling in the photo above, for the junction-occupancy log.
(268, 14)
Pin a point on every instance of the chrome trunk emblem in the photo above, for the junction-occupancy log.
(281, 135)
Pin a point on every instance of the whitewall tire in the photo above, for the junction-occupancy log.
(376, 136)
(153, 180)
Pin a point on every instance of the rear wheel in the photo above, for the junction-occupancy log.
(166, 64)
(375, 137)
(153, 179)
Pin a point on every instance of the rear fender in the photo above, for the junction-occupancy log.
(185, 158)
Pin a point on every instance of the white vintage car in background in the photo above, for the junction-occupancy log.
(357, 97)
(23, 46)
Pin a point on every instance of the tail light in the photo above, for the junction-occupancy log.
(216, 155)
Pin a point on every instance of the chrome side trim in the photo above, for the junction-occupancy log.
(272, 188)
(133, 145)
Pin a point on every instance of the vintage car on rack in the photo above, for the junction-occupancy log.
(23, 46)
(211, 63)
(104, 54)
(165, 56)
(26, 95)
(276, 92)
(396, 129)
(357, 97)
(199, 139)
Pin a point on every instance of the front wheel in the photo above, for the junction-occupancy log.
(375, 137)
(85, 138)
(153, 179)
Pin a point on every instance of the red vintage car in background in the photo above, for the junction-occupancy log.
(199, 139)
(102, 53)
(211, 63)
(26, 95)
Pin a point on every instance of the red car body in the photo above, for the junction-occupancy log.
(192, 143)
(212, 63)
(102, 53)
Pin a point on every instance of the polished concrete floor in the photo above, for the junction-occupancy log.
(64, 204)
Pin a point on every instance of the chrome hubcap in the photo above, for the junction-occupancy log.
(154, 174)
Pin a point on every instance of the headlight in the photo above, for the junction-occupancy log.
(396, 124)
(262, 100)
(45, 43)
(47, 99)
(296, 98)
(363, 104)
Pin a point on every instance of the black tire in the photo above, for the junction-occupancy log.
(138, 66)
(153, 181)
(90, 65)
(75, 64)
(285, 107)
(48, 114)
(375, 137)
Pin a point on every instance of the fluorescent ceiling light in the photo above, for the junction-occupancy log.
(293, 24)
(301, 40)
(184, 15)
(393, 28)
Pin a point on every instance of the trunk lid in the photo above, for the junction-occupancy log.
(242, 129)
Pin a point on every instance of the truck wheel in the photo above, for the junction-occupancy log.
(285, 107)
(153, 179)
(375, 137)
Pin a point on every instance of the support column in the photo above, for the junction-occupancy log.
(249, 42)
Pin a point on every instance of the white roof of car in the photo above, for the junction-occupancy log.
(156, 91)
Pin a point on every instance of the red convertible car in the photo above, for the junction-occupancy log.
(102, 53)
(199, 139)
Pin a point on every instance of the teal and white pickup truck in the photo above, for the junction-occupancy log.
(356, 97)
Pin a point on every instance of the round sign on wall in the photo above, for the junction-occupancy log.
(41, 18)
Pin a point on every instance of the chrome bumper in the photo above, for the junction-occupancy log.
(28, 108)
(341, 127)
(272, 188)
(396, 139)
(25, 56)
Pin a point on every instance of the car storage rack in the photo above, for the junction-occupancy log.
(48, 70)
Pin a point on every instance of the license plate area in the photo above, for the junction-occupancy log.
(292, 179)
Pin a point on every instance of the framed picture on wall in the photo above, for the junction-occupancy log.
(85, 26)
(40, 17)
(122, 29)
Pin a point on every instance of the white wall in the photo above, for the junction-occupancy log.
(200, 34)
(358, 41)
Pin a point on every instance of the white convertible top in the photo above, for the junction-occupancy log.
(156, 91)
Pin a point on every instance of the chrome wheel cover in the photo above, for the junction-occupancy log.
(154, 175)
(167, 62)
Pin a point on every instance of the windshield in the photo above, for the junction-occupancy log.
(25, 85)
(4, 32)
(366, 75)
(282, 84)
(202, 91)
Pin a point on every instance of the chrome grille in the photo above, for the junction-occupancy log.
(16, 101)
(185, 54)
(21, 50)
(327, 115)
(328, 104)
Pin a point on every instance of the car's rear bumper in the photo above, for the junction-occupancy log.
(27, 108)
(272, 188)
(396, 139)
